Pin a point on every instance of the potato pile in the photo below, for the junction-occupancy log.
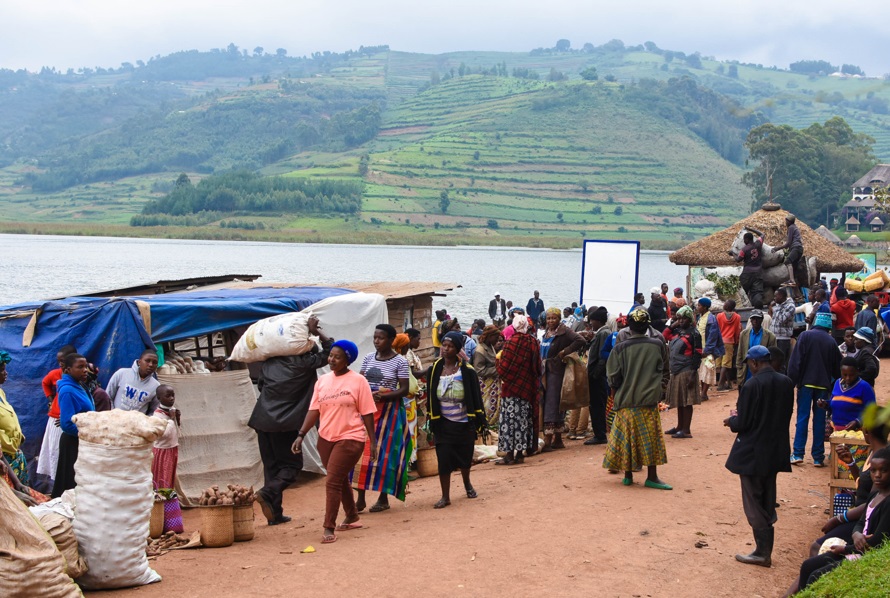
(166, 542)
(174, 364)
(236, 495)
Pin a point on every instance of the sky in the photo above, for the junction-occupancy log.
(90, 33)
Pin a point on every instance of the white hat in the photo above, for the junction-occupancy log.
(655, 290)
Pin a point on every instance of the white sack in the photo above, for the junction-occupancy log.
(353, 317)
(284, 334)
(114, 499)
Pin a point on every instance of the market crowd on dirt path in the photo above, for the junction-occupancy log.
(523, 381)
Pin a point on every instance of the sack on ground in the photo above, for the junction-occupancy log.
(285, 334)
(62, 532)
(575, 390)
(30, 563)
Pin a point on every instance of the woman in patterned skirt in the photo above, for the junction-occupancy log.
(519, 369)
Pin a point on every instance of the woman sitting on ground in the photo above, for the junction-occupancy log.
(387, 473)
(343, 407)
(519, 369)
(872, 529)
(456, 414)
(558, 342)
(491, 341)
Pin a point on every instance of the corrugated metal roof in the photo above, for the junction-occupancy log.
(389, 290)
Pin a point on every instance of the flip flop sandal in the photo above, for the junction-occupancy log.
(472, 494)
(345, 527)
(378, 508)
(328, 539)
(671, 432)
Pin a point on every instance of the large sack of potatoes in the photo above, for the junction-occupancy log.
(285, 334)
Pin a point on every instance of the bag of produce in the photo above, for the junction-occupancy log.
(61, 531)
(114, 496)
(285, 334)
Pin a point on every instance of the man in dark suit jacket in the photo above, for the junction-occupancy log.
(762, 448)
(497, 310)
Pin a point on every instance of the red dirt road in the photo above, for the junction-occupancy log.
(559, 525)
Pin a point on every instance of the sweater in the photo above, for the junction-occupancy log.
(638, 371)
(848, 405)
(131, 392)
(815, 360)
(73, 399)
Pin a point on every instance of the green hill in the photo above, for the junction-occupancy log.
(516, 147)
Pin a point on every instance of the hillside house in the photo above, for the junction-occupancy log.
(876, 224)
(852, 224)
(861, 208)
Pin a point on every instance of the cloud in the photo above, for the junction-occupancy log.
(107, 32)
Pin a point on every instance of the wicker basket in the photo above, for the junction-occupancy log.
(242, 523)
(156, 525)
(216, 526)
(427, 462)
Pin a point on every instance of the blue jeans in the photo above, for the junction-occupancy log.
(806, 402)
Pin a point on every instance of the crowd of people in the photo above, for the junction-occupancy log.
(505, 375)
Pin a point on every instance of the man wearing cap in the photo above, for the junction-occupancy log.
(755, 334)
(497, 310)
(761, 448)
(794, 244)
(814, 366)
(866, 360)
(596, 374)
(657, 309)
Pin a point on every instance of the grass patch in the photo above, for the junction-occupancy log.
(868, 577)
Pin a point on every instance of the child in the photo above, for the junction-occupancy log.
(166, 448)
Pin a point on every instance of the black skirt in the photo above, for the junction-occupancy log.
(455, 443)
(68, 445)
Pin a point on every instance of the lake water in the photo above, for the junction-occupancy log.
(40, 267)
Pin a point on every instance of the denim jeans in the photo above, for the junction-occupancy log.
(806, 402)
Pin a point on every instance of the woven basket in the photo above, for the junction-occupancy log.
(242, 523)
(156, 525)
(216, 526)
(427, 462)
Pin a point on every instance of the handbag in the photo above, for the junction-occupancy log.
(172, 510)
(575, 392)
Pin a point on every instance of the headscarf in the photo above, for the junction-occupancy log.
(579, 313)
(455, 338)
(685, 312)
(402, 340)
(4, 357)
(640, 316)
(705, 301)
(554, 310)
(348, 347)
(520, 325)
(491, 333)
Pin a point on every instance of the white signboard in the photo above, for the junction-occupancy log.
(609, 273)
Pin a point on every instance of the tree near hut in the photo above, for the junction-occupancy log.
(808, 171)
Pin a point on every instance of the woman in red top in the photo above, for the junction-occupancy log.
(844, 310)
(48, 458)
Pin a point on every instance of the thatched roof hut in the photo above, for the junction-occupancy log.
(853, 241)
(828, 235)
(712, 250)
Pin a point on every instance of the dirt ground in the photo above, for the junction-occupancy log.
(557, 525)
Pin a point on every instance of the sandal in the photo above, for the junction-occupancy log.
(442, 503)
(671, 432)
(377, 508)
(345, 527)
(471, 493)
(681, 435)
(328, 539)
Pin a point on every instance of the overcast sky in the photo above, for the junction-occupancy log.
(76, 33)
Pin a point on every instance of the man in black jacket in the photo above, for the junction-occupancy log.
(286, 386)
(762, 448)
(596, 375)
(497, 311)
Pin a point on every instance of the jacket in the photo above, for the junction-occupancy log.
(130, 392)
(878, 525)
(869, 365)
(485, 361)
(815, 360)
(684, 349)
(73, 399)
(11, 436)
(493, 309)
(763, 445)
(567, 340)
(534, 308)
(596, 362)
(286, 384)
(768, 340)
(783, 320)
(638, 371)
(713, 340)
(472, 395)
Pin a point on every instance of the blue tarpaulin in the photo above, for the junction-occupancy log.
(111, 334)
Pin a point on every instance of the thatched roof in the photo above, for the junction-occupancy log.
(879, 176)
(876, 220)
(852, 220)
(712, 250)
(828, 235)
(853, 241)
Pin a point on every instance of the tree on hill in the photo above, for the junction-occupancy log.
(811, 169)
(733, 71)
(563, 45)
(812, 67)
(851, 69)
(444, 201)
(556, 75)
(589, 74)
(694, 60)
(588, 48)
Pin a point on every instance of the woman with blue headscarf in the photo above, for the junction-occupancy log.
(11, 436)
(343, 406)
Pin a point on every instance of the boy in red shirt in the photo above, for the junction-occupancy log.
(730, 328)
(844, 310)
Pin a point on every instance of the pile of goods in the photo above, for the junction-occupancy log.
(239, 496)
(119, 428)
(876, 281)
(174, 364)
(285, 334)
(169, 541)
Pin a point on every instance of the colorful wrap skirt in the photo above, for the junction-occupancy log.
(389, 472)
(19, 466)
(635, 440)
(491, 399)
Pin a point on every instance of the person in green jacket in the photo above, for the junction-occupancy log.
(639, 371)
